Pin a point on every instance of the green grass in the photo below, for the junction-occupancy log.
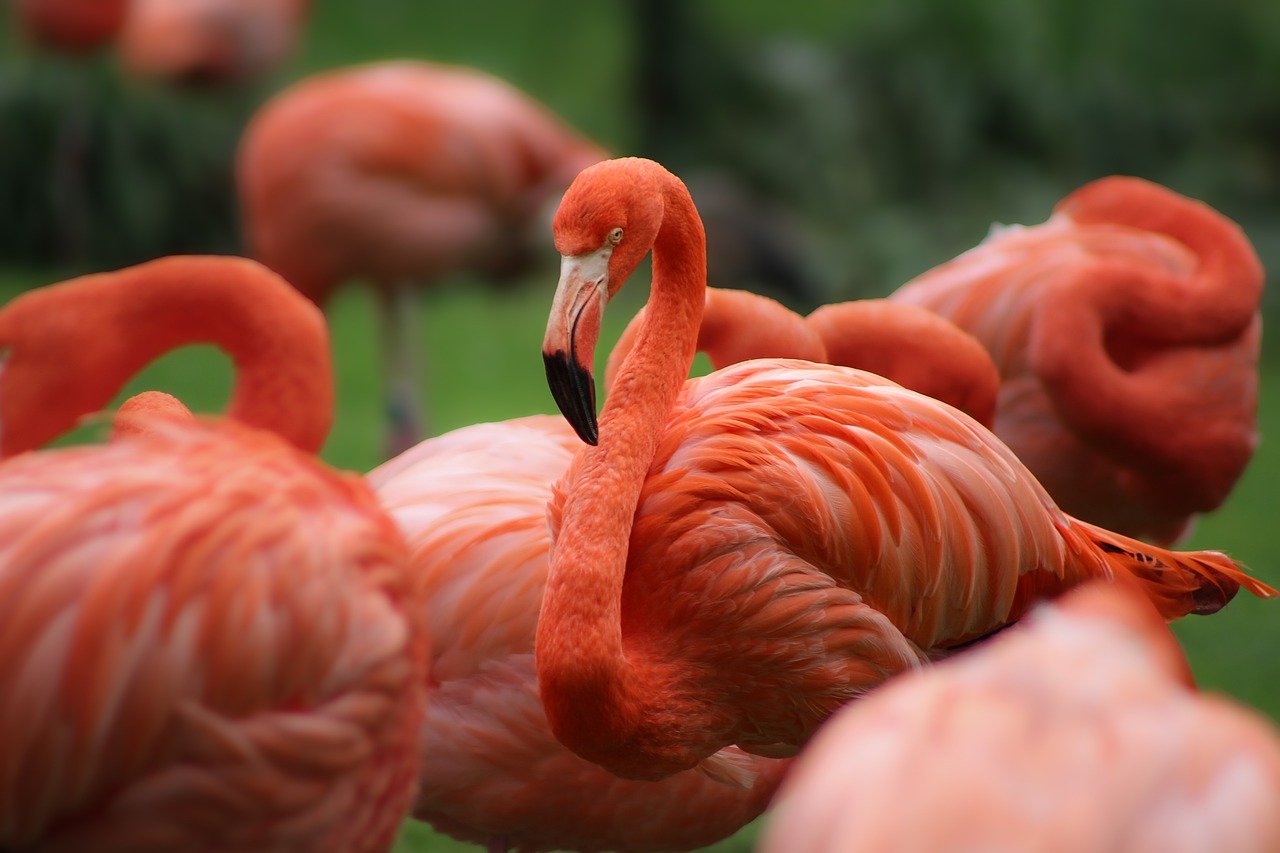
(482, 362)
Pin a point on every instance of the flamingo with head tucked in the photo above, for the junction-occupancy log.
(401, 173)
(207, 638)
(1077, 731)
(739, 555)
(1126, 330)
(913, 347)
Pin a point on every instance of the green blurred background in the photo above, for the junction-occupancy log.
(880, 137)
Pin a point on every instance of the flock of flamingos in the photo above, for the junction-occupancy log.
(635, 630)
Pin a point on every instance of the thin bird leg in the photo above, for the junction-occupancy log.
(402, 362)
(498, 844)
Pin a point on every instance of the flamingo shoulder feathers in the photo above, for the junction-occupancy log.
(1078, 726)
(472, 505)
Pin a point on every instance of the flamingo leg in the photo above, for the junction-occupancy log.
(402, 363)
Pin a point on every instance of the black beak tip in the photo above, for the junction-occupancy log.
(574, 390)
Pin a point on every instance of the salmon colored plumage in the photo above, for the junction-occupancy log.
(1077, 731)
(743, 553)
(1126, 330)
(472, 505)
(210, 41)
(74, 26)
(913, 347)
(400, 174)
(206, 635)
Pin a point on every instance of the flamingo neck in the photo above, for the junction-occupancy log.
(608, 703)
(72, 347)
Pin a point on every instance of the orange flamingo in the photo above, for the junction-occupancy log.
(472, 505)
(1129, 308)
(73, 26)
(739, 555)
(401, 173)
(1075, 732)
(210, 41)
(913, 347)
(206, 639)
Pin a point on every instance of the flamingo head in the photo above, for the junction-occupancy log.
(606, 224)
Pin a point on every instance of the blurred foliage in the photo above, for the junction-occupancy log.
(900, 129)
(892, 133)
(94, 174)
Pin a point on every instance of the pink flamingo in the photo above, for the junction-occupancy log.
(210, 41)
(1129, 309)
(207, 639)
(1077, 731)
(72, 26)
(739, 555)
(913, 347)
(401, 173)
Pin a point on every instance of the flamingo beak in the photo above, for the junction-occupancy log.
(573, 329)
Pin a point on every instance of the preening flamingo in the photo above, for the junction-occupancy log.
(210, 41)
(1077, 731)
(206, 635)
(401, 173)
(472, 505)
(913, 347)
(1126, 330)
(73, 26)
(739, 555)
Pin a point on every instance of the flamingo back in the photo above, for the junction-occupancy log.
(206, 643)
(1073, 732)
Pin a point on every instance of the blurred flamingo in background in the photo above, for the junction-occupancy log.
(210, 41)
(1126, 330)
(71, 26)
(206, 639)
(739, 555)
(401, 173)
(913, 347)
(1076, 731)
(472, 505)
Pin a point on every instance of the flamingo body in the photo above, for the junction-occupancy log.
(398, 172)
(75, 26)
(206, 636)
(193, 661)
(1131, 307)
(1075, 732)
(210, 41)
(472, 505)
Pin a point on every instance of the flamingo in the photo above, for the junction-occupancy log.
(1130, 307)
(1077, 731)
(913, 347)
(739, 555)
(72, 26)
(210, 41)
(207, 640)
(472, 505)
(402, 173)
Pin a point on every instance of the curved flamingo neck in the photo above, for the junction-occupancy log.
(72, 347)
(598, 694)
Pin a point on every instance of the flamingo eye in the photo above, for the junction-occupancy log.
(615, 237)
